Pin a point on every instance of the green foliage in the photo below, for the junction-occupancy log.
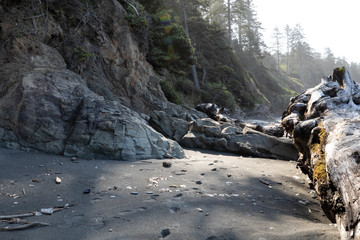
(82, 55)
(217, 93)
(136, 18)
(170, 48)
(226, 82)
(170, 92)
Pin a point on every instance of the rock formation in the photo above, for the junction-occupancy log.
(210, 134)
(69, 78)
(324, 122)
(74, 81)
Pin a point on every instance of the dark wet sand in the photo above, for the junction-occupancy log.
(208, 195)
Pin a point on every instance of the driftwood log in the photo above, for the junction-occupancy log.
(324, 123)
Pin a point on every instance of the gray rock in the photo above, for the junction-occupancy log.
(169, 125)
(210, 134)
(48, 112)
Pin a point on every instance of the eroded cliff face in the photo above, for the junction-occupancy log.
(71, 79)
(90, 38)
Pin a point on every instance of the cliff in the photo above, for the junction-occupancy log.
(73, 82)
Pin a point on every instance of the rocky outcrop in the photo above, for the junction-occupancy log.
(272, 129)
(174, 122)
(214, 112)
(69, 78)
(324, 122)
(210, 134)
(53, 111)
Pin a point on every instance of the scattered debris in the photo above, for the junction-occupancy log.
(268, 182)
(47, 211)
(304, 202)
(23, 226)
(14, 195)
(15, 219)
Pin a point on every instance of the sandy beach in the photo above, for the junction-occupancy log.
(207, 195)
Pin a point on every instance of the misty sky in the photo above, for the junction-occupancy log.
(326, 23)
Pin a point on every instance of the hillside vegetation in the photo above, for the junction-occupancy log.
(230, 76)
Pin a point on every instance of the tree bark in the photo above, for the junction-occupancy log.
(229, 23)
(325, 125)
(193, 67)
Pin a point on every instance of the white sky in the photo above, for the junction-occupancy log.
(325, 23)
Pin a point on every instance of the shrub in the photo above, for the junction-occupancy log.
(170, 92)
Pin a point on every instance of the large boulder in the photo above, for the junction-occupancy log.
(54, 111)
(68, 82)
(210, 134)
(174, 122)
(324, 122)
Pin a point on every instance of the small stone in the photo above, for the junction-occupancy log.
(87, 191)
(214, 169)
(134, 193)
(165, 232)
(154, 196)
(199, 210)
(58, 180)
(166, 164)
(198, 182)
(178, 195)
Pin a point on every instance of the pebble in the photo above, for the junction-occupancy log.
(178, 195)
(87, 191)
(134, 193)
(154, 196)
(57, 180)
(165, 232)
(166, 164)
(198, 182)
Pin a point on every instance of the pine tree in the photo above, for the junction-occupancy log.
(277, 36)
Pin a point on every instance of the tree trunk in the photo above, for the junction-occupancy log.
(325, 125)
(193, 67)
(229, 23)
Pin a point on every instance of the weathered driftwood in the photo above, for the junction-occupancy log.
(26, 225)
(325, 125)
(14, 220)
